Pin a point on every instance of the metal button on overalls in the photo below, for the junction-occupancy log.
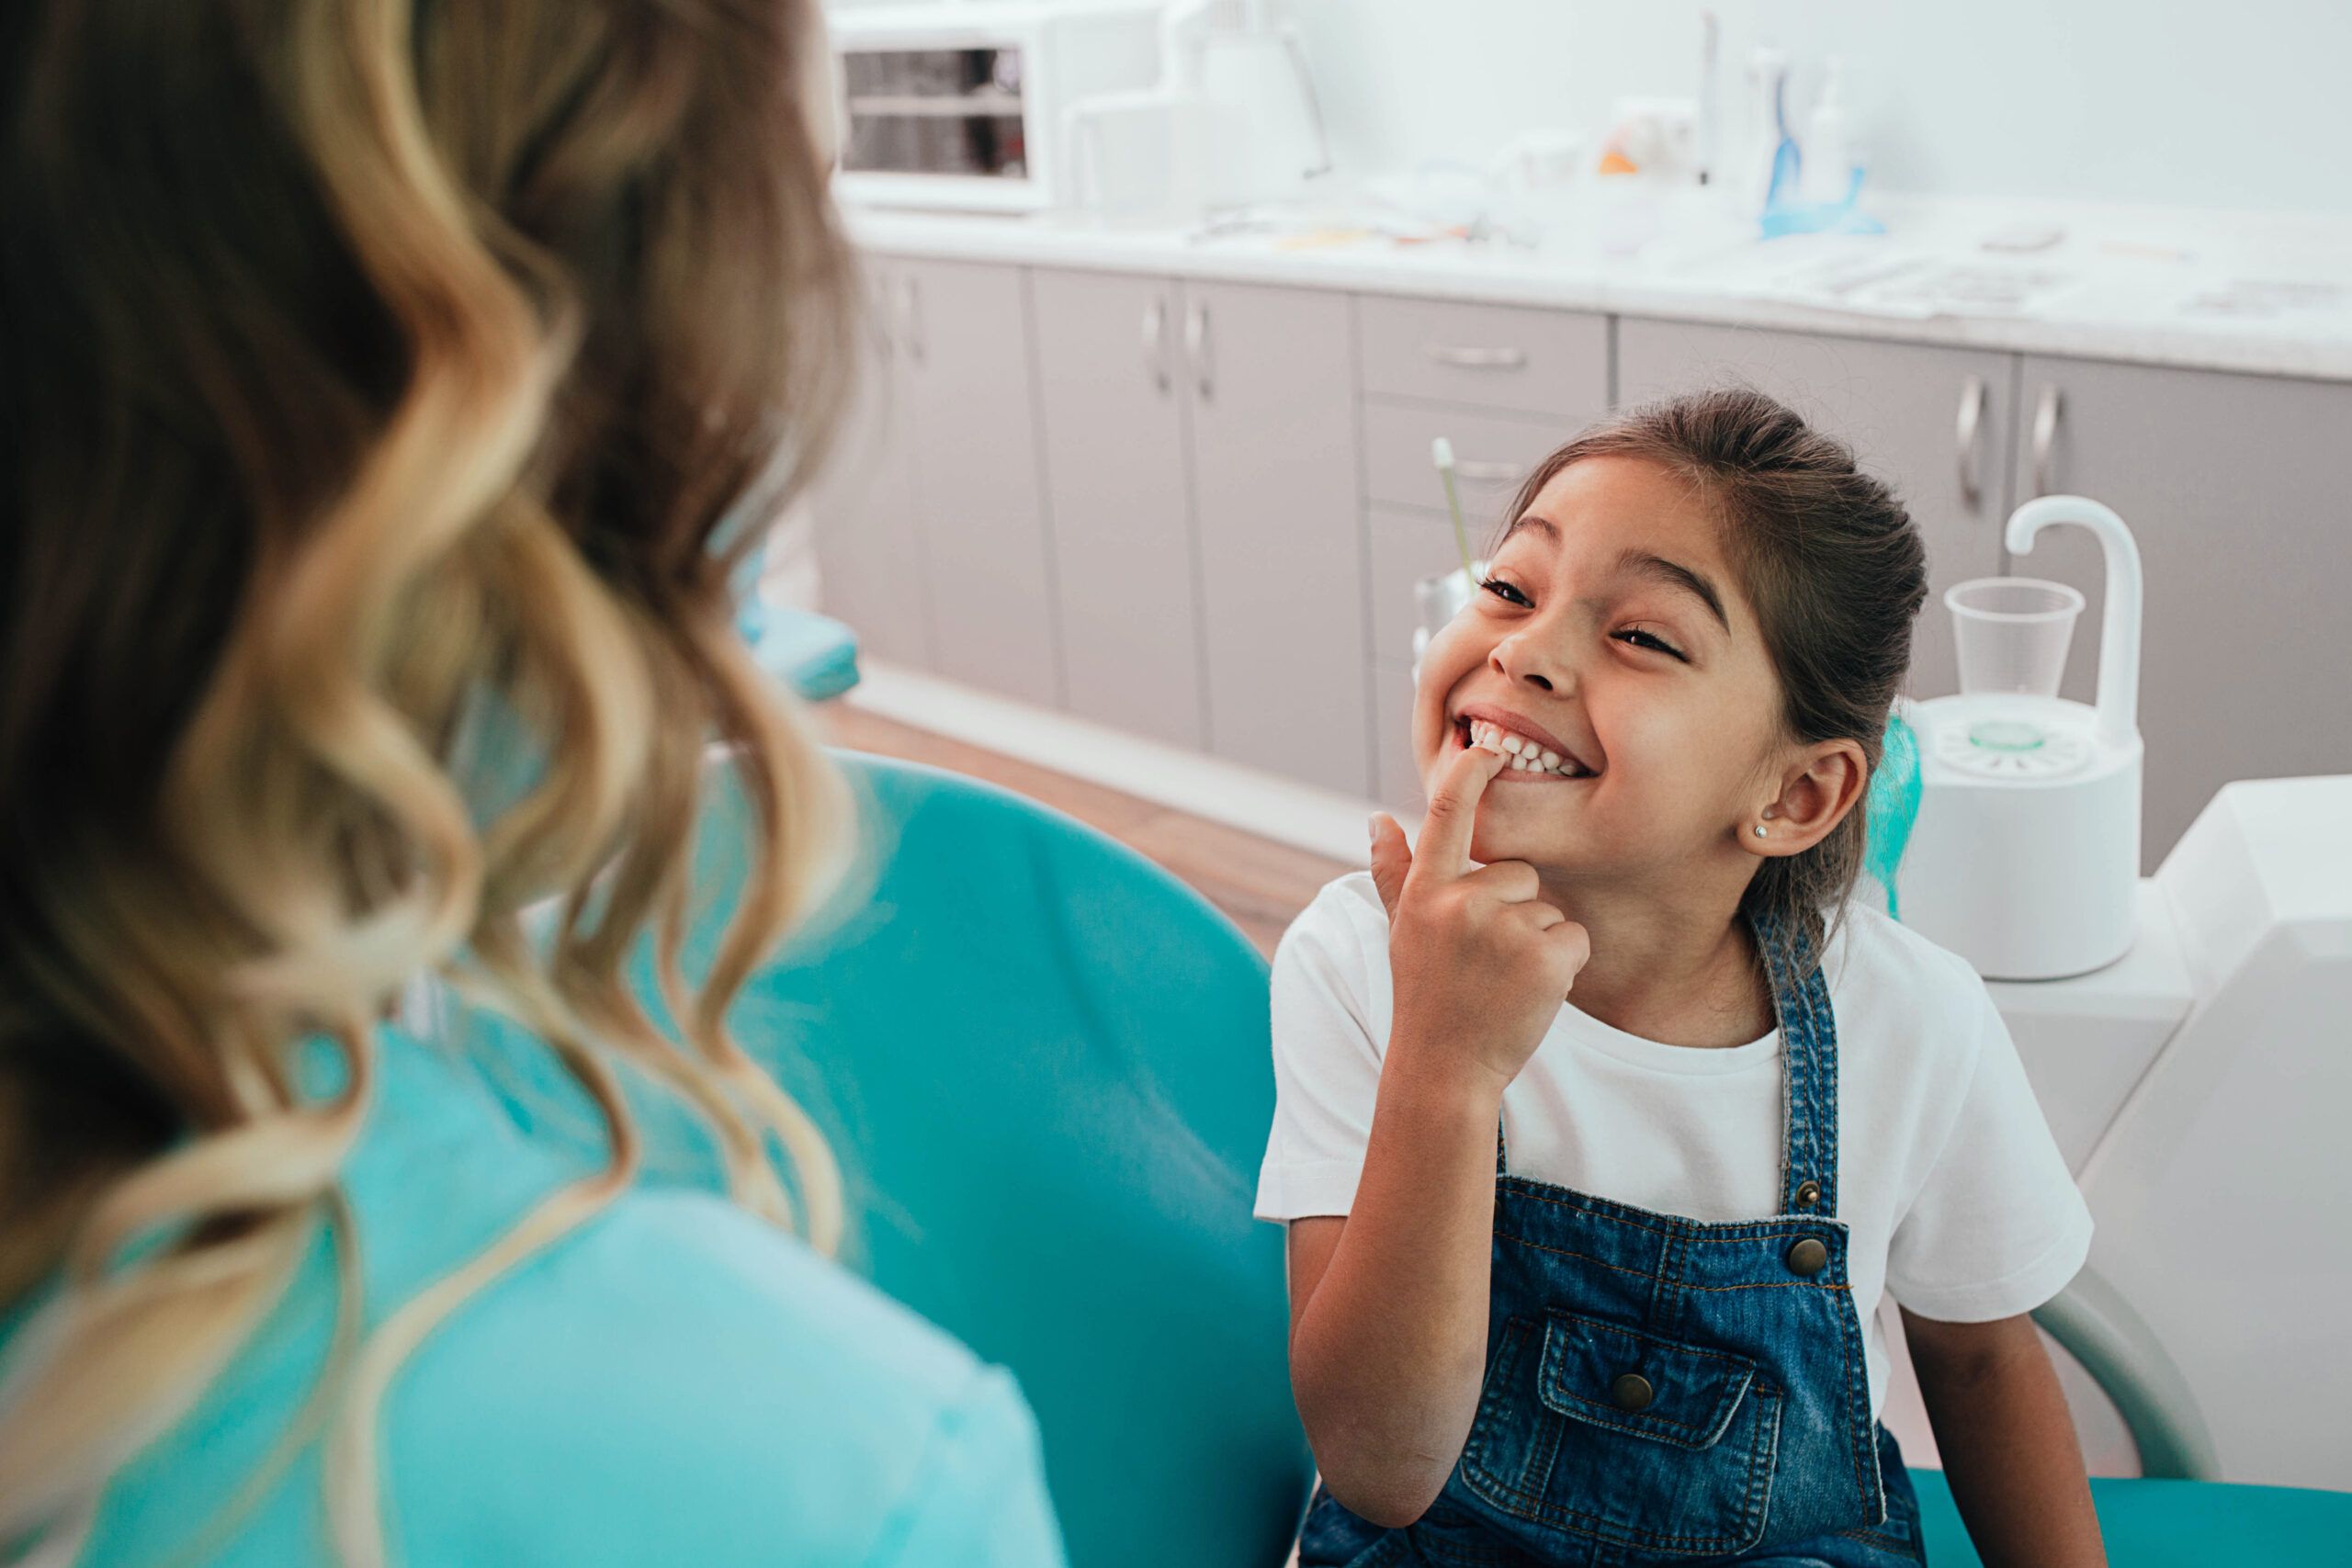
(1630, 1391)
(1807, 1257)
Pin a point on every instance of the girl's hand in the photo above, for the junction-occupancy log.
(1480, 965)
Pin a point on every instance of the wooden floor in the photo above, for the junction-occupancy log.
(1260, 885)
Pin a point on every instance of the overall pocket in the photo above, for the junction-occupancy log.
(1599, 1430)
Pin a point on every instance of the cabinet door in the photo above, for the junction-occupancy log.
(1119, 496)
(865, 527)
(1395, 776)
(2232, 485)
(963, 336)
(1933, 422)
(1272, 394)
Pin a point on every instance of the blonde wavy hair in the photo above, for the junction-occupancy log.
(362, 360)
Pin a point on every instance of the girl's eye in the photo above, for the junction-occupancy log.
(1641, 638)
(1505, 591)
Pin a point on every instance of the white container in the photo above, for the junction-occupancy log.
(2025, 852)
(1828, 156)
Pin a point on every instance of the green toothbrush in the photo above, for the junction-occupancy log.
(1441, 454)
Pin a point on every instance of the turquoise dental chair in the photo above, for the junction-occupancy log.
(1044, 1062)
(2175, 1515)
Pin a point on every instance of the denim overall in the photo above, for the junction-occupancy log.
(1660, 1390)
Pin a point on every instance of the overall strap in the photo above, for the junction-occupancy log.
(1809, 1069)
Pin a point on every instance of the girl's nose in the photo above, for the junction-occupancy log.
(1521, 658)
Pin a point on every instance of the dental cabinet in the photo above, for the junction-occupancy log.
(1193, 506)
(1114, 395)
(1198, 460)
(2234, 486)
(951, 438)
(1273, 450)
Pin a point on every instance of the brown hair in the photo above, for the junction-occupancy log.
(364, 361)
(1835, 567)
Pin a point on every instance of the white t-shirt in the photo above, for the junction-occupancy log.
(1957, 1200)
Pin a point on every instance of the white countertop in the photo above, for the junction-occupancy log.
(2259, 293)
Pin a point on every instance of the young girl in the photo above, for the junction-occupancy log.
(1596, 1281)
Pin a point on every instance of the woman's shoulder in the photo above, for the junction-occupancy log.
(679, 1381)
(673, 1380)
(676, 1379)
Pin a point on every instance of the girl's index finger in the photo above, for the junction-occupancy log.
(1443, 850)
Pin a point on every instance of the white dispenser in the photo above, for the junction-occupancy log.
(2025, 853)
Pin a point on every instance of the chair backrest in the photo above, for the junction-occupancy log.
(1045, 1063)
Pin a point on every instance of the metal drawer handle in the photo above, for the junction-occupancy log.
(1476, 358)
(1196, 345)
(1155, 342)
(2045, 437)
(1477, 472)
(1971, 445)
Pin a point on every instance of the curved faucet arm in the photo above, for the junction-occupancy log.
(2098, 1327)
(2118, 641)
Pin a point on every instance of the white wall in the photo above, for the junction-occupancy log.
(2232, 103)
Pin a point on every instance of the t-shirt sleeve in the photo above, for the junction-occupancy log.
(1998, 1227)
(981, 1493)
(1328, 1032)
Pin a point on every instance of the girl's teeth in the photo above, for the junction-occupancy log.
(1522, 755)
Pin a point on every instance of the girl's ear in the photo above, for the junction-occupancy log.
(1825, 782)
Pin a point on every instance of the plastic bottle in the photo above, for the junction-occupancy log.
(1827, 170)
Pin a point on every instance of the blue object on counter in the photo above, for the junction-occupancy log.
(1891, 806)
(1042, 1060)
(813, 654)
(1783, 213)
(1843, 216)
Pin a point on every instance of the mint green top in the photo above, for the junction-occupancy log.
(675, 1381)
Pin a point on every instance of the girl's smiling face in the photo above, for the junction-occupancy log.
(1612, 632)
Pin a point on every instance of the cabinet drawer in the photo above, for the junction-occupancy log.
(1491, 454)
(1497, 356)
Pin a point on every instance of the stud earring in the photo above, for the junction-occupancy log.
(1759, 829)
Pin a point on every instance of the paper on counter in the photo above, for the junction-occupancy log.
(1917, 284)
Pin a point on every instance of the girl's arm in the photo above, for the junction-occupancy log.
(2008, 1444)
(1388, 1306)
